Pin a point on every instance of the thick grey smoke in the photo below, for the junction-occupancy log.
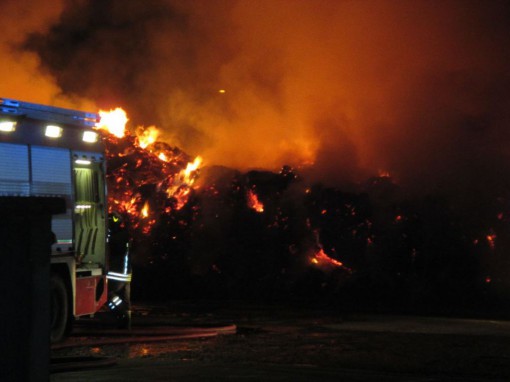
(419, 89)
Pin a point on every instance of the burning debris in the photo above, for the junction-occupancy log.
(263, 234)
(211, 228)
(253, 201)
(145, 178)
(322, 260)
(442, 129)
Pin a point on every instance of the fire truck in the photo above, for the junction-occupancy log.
(51, 151)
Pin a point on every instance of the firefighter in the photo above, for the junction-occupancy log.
(120, 272)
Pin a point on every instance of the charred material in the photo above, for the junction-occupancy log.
(271, 236)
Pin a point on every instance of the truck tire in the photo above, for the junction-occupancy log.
(59, 309)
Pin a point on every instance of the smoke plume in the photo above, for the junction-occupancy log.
(24, 75)
(419, 89)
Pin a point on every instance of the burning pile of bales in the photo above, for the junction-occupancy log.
(218, 233)
(379, 249)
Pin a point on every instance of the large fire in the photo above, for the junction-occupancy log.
(143, 172)
(148, 179)
(442, 130)
(211, 226)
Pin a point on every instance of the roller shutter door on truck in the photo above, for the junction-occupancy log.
(51, 175)
(14, 171)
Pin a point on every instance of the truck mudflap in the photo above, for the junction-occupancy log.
(93, 294)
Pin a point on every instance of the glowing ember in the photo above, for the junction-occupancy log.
(181, 196)
(320, 258)
(491, 239)
(113, 121)
(253, 202)
(95, 350)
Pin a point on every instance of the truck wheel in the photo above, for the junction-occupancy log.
(59, 306)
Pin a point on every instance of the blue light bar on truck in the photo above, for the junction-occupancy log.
(8, 106)
(42, 125)
(48, 113)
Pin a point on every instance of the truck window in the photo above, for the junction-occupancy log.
(90, 225)
(87, 186)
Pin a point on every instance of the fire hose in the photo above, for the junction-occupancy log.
(63, 364)
(143, 335)
(114, 337)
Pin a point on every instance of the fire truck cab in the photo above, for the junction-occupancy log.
(51, 151)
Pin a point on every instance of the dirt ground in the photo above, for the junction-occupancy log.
(276, 343)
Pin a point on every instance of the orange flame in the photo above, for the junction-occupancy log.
(145, 210)
(113, 121)
(190, 169)
(253, 202)
(180, 187)
(147, 136)
(148, 163)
